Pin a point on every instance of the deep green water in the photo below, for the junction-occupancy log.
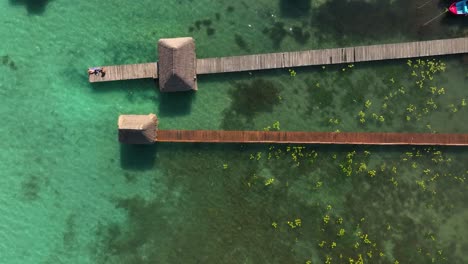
(71, 194)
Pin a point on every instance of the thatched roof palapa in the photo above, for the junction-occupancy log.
(138, 129)
(177, 65)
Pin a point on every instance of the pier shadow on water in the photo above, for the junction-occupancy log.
(175, 104)
(137, 157)
(295, 8)
(124, 86)
(35, 7)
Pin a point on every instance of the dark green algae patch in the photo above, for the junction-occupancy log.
(381, 204)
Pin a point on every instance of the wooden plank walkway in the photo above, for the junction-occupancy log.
(296, 59)
(332, 56)
(127, 72)
(354, 138)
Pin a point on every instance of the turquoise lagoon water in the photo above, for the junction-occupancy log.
(71, 194)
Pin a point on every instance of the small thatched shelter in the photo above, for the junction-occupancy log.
(177, 65)
(138, 129)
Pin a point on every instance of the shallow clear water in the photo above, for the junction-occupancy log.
(71, 194)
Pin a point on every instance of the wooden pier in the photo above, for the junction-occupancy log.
(332, 56)
(296, 59)
(352, 138)
(127, 72)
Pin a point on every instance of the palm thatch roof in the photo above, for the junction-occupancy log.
(177, 65)
(138, 129)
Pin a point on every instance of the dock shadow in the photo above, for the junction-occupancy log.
(295, 8)
(176, 103)
(35, 7)
(137, 157)
(228, 77)
(124, 86)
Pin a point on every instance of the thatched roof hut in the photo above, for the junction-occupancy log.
(138, 129)
(177, 65)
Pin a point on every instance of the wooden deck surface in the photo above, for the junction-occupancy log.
(332, 56)
(355, 138)
(296, 59)
(127, 72)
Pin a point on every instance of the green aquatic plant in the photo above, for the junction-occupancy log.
(341, 232)
(225, 166)
(362, 116)
(318, 184)
(410, 108)
(298, 222)
(339, 221)
(394, 181)
(362, 167)
(276, 125)
(453, 108)
(292, 73)
(421, 184)
(335, 121)
(291, 224)
(365, 238)
(368, 103)
(269, 181)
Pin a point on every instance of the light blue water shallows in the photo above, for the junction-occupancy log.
(69, 193)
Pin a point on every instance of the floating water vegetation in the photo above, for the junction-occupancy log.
(269, 181)
(292, 73)
(305, 175)
(368, 104)
(275, 126)
(353, 240)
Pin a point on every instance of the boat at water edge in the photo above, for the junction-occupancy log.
(459, 8)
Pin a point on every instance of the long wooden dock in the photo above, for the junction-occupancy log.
(333, 56)
(127, 72)
(352, 138)
(297, 59)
